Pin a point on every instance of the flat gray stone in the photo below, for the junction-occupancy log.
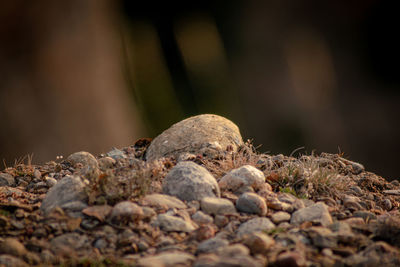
(172, 223)
(162, 201)
(241, 177)
(217, 206)
(203, 133)
(68, 189)
(255, 225)
(251, 203)
(74, 208)
(392, 192)
(211, 245)
(6, 179)
(317, 213)
(189, 181)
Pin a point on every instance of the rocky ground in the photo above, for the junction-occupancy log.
(197, 196)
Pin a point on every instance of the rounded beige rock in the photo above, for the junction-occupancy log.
(203, 134)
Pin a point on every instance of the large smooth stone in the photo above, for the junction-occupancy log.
(203, 134)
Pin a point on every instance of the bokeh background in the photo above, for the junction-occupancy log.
(93, 74)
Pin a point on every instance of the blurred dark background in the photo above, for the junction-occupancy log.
(88, 75)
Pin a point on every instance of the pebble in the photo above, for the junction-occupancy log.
(74, 208)
(258, 242)
(125, 212)
(148, 212)
(116, 154)
(47, 257)
(351, 202)
(142, 245)
(234, 250)
(89, 224)
(194, 134)
(322, 237)
(162, 201)
(207, 260)
(356, 168)
(366, 215)
(189, 181)
(251, 203)
(50, 181)
(255, 225)
(204, 232)
(236, 261)
(317, 213)
(100, 243)
(286, 197)
(275, 204)
(217, 206)
(375, 254)
(290, 258)
(298, 204)
(387, 204)
(221, 221)
(127, 237)
(307, 202)
(31, 258)
(171, 223)
(37, 174)
(106, 163)
(194, 204)
(84, 158)
(201, 218)
(357, 190)
(392, 192)
(6, 179)
(100, 212)
(343, 232)
(62, 243)
(355, 221)
(211, 245)
(167, 259)
(244, 176)
(11, 261)
(68, 189)
(12, 247)
(395, 182)
(280, 216)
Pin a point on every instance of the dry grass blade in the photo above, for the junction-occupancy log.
(246, 155)
(310, 176)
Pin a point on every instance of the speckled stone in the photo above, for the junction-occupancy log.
(203, 133)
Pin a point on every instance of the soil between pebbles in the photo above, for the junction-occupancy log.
(311, 210)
